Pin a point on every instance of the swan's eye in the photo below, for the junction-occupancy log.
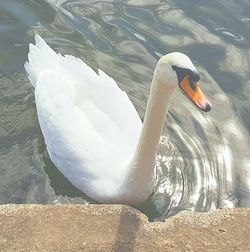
(181, 73)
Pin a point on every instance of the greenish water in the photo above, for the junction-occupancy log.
(204, 158)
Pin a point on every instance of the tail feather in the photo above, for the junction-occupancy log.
(31, 75)
(40, 57)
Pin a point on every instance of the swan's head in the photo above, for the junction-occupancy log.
(177, 70)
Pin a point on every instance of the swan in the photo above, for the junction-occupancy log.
(92, 131)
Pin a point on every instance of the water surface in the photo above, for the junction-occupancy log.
(204, 158)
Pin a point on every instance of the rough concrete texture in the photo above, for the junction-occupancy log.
(119, 228)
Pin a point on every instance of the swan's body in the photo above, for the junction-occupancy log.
(93, 133)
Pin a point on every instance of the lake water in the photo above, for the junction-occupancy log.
(204, 158)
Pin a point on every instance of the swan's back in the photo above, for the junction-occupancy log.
(90, 126)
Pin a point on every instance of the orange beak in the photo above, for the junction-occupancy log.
(195, 94)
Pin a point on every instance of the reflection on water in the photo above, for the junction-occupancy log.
(204, 159)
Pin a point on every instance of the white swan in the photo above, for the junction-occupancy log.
(93, 133)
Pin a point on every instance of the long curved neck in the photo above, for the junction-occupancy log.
(140, 177)
(156, 111)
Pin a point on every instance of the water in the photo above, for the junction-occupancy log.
(204, 158)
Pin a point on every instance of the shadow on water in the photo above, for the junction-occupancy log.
(59, 183)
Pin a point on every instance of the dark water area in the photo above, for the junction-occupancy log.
(204, 158)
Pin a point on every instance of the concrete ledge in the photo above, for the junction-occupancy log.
(119, 228)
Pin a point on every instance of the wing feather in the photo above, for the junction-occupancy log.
(88, 122)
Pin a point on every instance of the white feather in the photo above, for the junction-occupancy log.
(92, 131)
(90, 126)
